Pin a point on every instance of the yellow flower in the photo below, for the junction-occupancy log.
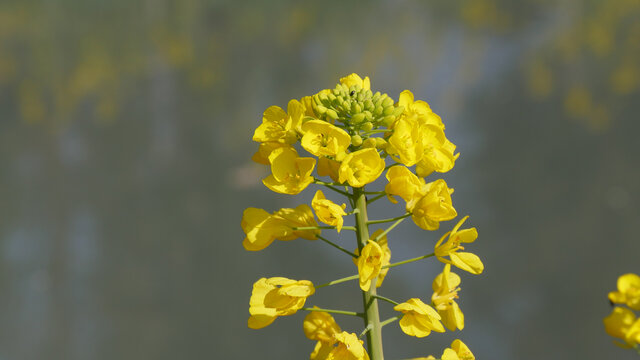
(290, 174)
(276, 296)
(369, 263)
(327, 211)
(628, 291)
(347, 347)
(463, 260)
(328, 167)
(361, 167)
(320, 325)
(434, 206)
(262, 155)
(355, 79)
(458, 351)
(623, 324)
(321, 138)
(307, 102)
(445, 290)
(438, 152)
(385, 258)
(419, 318)
(404, 183)
(262, 228)
(405, 144)
(279, 126)
(419, 109)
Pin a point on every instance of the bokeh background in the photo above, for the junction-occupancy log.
(125, 136)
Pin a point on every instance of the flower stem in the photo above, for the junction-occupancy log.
(376, 198)
(322, 227)
(342, 312)
(386, 231)
(408, 261)
(334, 282)
(388, 220)
(337, 246)
(371, 315)
(389, 321)
(386, 299)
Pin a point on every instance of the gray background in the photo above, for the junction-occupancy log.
(125, 135)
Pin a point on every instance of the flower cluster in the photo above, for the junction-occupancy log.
(350, 136)
(623, 323)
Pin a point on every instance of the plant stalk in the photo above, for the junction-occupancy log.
(371, 315)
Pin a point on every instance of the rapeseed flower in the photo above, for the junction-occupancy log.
(434, 206)
(361, 167)
(276, 296)
(404, 183)
(628, 291)
(463, 260)
(327, 211)
(321, 326)
(323, 139)
(355, 79)
(262, 228)
(328, 167)
(290, 174)
(445, 291)
(623, 324)
(280, 126)
(369, 264)
(419, 318)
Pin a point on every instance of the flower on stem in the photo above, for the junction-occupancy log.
(290, 174)
(322, 138)
(266, 148)
(321, 326)
(463, 260)
(405, 145)
(628, 291)
(438, 153)
(445, 291)
(328, 167)
(404, 183)
(369, 264)
(419, 318)
(355, 79)
(276, 296)
(623, 324)
(279, 126)
(384, 259)
(420, 109)
(361, 167)
(262, 228)
(345, 346)
(458, 351)
(434, 206)
(327, 211)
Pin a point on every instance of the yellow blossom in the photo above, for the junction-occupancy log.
(320, 325)
(322, 138)
(419, 318)
(262, 228)
(628, 291)
(445, 290)
(434, 206)
(307, 102)
(347, 347)
(405, 145)
(623, 324)
(463, 260)
(328, 167)
(279, 126)
(262, 155)
(355, 79)
(384, 259)
(275, 297)
(290, 174)
(438, 152)
(419, 109)
(404, 183)
(361, 167)
(327, 211)
(458, 351)
(369, 263)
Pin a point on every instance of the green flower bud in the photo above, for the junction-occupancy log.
(387, 102)
(367, 126)
(381, 143)
(356, 140)
(357, 118)
(332, 114)
(398, 111)
(368, 104)
(320, 109)
(388, 110)
(388, 120)
(369, 143)
(378, 111)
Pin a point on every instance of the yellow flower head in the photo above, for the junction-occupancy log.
(369, 263)
(266, 148)
(438, 152)
(279, 126)
(434, 206)
(419, 318)
(419, 109)
(404, 183)
(628, 291)
(320, 325)
(275, 297)
(290, 174)
(445, 291)
(347, 347)
(361, 167)
(623, 324)
(384, 259)
(321, 138)
(307, 102)
(405, 144)
(327, 211)
(355, 79)
(463, 260)
(462, 350)
(328, 167)
(262, 228)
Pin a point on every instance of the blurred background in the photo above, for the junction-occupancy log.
(125, 135)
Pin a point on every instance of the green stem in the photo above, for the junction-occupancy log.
(389, 228)
(337, 247)
(371, 314)
(388, 220)
(390, 320)
(320, 182)
(386, 299)
(322, 227)
(334, 282)
(342, 312)
(375, 198)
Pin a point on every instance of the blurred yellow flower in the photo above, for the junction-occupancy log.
(321, 138)
(276, 296)
(327, 211)
(355, 79)
(458, 351)
(321, 326)
(445, 290)
(623, 324)
(419, 318)
(262, 228)
(361, 167)
(290, 174)
(280, 126)
(434, 206)
(628, 291)
(463, 260)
